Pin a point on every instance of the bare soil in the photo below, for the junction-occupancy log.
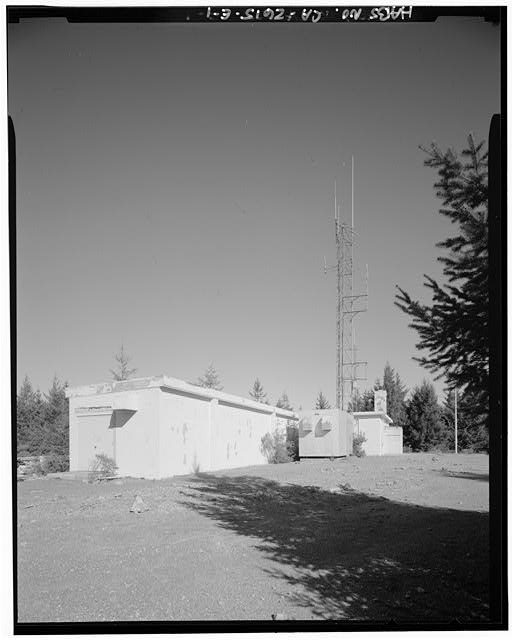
(400, 538)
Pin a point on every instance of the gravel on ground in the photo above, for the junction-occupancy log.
(400, 538)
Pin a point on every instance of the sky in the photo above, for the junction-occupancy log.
(175, 191)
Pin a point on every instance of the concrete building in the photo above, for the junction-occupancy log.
(382, 438)
(325, 433)
(329, 433)
(158, 427)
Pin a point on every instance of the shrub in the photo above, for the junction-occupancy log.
(54, 463)
(442, 447)
(293, 442)
(358, 441)
(36, 469)
(274, 447)
(29, 467)
(102, 467)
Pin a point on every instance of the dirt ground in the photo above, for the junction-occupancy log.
(374, 539)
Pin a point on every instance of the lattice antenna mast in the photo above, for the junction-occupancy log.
(349, 305)
(339, 300)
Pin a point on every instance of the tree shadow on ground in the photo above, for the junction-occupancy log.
(468, 475)
(349, 555)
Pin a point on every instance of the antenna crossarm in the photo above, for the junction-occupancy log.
(360, 295)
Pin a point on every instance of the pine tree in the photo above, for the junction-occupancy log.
(471, 436)
(210, 379)
(362, 401)
(447, 419)
(322, 402)
(56, 402)
(24, 415)
(283, 402)
(257, 392)
(423, 423)
(123, 371)
(292, 430)
(453, 331)
(396, 393)
(56, 421)
(29, 420)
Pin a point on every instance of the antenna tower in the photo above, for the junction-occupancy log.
(349, 304)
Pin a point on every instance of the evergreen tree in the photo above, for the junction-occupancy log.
(292, 430)
(24, 414)
(322, 402)
(122, 371)
(257, 392)
(471, 436)
(56, 402)
(396, 393)
(423, 424)
(283, 402)
(362, 401)
(29, 420)
(447, 420)
(56, 421)
(210, 379)
(454, 330)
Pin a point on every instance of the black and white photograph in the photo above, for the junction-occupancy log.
(257, 278)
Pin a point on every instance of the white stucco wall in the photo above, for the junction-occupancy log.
(372, 428)
(90, 434)
(350, 422)
(382, 438)
(137, 442)
(236, 436)
(159, 427)
(184, 433)
(392, 441)
(107, 423)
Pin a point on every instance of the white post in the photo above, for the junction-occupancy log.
(455, 420)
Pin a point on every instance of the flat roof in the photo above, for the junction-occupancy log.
(175, 384)
(373, 414)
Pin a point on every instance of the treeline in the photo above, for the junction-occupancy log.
(42, 423)
(42, 420)
(212, 380)
(427, 423)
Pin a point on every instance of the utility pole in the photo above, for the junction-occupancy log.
(455, 419)
(347, 305)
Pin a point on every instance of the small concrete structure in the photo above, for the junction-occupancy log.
(380, 400)
(325, 433)
(158, 427)
(382, 438)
